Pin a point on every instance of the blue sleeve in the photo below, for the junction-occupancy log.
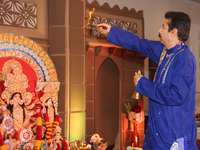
(174, 93)
(132, 42)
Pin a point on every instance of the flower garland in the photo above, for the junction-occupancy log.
(50, 127)
(38, 126)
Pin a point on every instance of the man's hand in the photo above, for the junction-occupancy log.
(103, 28)
(136, 78)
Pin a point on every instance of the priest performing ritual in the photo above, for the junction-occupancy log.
(171, 123)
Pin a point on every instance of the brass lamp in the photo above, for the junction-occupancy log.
(137, 95)
(89, 20)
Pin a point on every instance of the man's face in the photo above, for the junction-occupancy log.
(164, 33)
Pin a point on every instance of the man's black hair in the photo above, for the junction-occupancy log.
(181, 22)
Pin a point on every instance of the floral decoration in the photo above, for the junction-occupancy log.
(14, 45)
(19, 14)
(95, 139)
(128, 26)
(98, 142)
(135, 113)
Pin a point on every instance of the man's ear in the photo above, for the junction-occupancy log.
(174, 32)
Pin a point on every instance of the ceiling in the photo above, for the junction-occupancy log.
(195, 1)
(192, 3)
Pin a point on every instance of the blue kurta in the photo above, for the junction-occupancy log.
(171, 95)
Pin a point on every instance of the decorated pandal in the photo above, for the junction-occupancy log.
(29, 96)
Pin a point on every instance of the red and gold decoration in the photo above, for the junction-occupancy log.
(8, 144)
(29, 91)
(64, 144)
(25, 135)
(27, 146)
(8, 123)
(38, 141)
(50, 127)
(2, 145)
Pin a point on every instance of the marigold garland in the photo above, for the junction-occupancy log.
(38, 127)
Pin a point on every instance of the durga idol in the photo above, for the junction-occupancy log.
(19, 113)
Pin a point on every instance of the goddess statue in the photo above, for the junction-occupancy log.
(50, 109)
(24, 93)
(17, 110)
(16, 119)
(50, 114)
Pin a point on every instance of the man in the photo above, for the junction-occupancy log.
(171, 122)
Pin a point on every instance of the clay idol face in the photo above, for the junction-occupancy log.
(16, 98)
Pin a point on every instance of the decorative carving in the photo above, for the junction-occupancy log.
(50, 90)
(18, 14)
(128, 26)
(15, 80)
(14, 45)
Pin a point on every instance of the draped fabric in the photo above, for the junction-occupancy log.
(64, 145)
(2, 145)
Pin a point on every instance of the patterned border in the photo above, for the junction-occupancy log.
(128, 26)
(13, 45)
(18, 14)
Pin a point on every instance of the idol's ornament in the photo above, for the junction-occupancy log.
(29, 96)
(89, 20)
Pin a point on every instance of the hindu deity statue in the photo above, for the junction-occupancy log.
(50, 109)
(16, 119)
(50, 114)
(19, 113)
(28, 95)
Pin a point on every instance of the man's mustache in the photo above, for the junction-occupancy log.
(159, 35)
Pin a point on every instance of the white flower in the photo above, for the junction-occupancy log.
(132, 116)
(89, 146)
(136, 117)
(139, 116)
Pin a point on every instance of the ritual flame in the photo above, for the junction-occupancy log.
(90, 13)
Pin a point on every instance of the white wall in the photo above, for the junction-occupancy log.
(195, 48)
(154, 11)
